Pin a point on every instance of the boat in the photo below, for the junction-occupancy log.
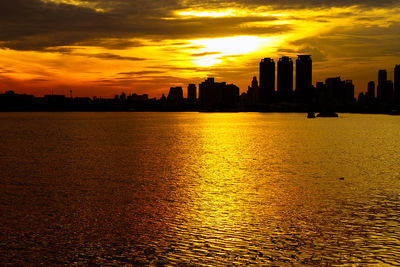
(311, 115)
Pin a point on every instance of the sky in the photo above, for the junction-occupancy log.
(105, 47)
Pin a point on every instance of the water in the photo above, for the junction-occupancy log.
(199, 189)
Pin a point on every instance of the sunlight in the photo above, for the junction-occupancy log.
(81, 3)
(207, 61)
(231, 46)
(210, 13)
(228, 46)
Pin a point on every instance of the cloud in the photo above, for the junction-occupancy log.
(296, 4)
(204, 54)
(6, 70)
(37, 25)
(110, 56)
(145, 72)
(354, 41)
(112, 43)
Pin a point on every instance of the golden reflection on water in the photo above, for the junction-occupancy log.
(250, 202)
(233, 195)
(200, 189)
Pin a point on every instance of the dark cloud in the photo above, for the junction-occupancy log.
(295, 4)
(37, 25)
(34, 25)
(116, 43)
(110, 56)
(353, 42)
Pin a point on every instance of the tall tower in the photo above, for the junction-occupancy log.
(304, 79)
(371, 90)
(253, 92)
(191, 92)
(397, 84)
(267, 80)
(285, 78)
(382, 78)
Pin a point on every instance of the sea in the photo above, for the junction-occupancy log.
(199, 189)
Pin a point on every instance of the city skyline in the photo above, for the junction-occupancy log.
(279, 82)
(105, 47)
(274, 93)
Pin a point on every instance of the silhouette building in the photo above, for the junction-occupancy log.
(253, 92)
(333, 90)
(175, 94)
(397, 84)
(371, 90)
(388, 92)
(382, 79)
(218, 95)
(285, 79)
(320, 93)
(191, 92)
(336, 92)
(349, 92)
(304, 79)
(385, 88)
(267, 80)
(138, 98)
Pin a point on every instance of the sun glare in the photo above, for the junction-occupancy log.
(228, 46)
(211, 13)
(222, 48)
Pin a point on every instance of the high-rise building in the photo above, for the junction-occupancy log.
(388, 92)
(397, 84)
(349, 92)
(267, 80)
(253, 92)
(304, 79)
(321, 93)
(334, 92)
(191, 92)
(218, 95)
(285, 79)
(175, 94)
(371, 90)
(382, 78)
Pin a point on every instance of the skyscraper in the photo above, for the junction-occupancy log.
(175, 94)
(371, 90)
(349, 91)
(382, 78)
(253, 92)
(218, 95)
(388, 92)
(267, 80)
(304, 79)
(285, 78)
(397, 84)
(191, 92)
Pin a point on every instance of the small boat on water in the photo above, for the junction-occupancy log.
(311, 115)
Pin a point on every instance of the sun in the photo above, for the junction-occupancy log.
(223, 47)
(230, 45)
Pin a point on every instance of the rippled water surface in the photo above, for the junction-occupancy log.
(199, 189)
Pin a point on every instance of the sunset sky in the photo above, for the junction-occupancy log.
(104, 47)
